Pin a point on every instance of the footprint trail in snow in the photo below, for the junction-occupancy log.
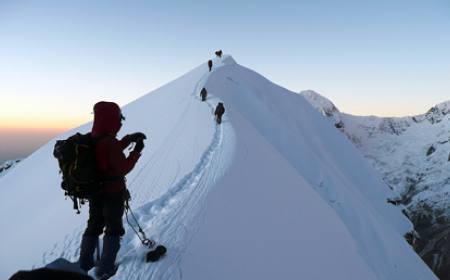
(173, 218)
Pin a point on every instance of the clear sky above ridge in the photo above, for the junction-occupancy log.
(383, 57)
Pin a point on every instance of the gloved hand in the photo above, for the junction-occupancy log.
(136, 137)
(139, 146)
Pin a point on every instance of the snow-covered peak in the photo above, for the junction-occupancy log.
(323, 105)
(273, 192)
(320, 102)
(443, 107)
(228, 60)
(437, 113)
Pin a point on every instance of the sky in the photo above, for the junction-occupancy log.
(57, 58)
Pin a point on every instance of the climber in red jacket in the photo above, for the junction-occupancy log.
(106, 208)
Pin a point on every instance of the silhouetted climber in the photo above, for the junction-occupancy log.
(210, 65)
(106, 208)
(220, 110)
(203, 94)
(219, 53)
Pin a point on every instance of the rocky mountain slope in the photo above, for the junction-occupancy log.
(413, 156)
(7, 166)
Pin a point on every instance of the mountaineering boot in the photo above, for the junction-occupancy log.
(87, 249)
(111, 246)
(108, 275)
(156, 254)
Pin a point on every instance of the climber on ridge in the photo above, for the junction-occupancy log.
(220, 110)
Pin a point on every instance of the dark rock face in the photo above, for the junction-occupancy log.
(7, 166)
(437, 113)
(393, 126)
(433, 244)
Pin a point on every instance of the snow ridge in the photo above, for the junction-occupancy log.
(7, 166)
(180, 206)
(288, 123)
(274, 174)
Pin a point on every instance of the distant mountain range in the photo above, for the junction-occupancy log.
(413, 155)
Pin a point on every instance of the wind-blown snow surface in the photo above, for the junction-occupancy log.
(273, 192)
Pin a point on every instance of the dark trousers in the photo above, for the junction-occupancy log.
(219, 118)
(105, 213)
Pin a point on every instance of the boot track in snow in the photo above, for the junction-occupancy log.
(169, 215)
(174, 217)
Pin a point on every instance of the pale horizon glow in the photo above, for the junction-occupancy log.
(383, 57)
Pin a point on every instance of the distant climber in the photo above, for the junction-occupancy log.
(210, 65)
(107, 207)
(219, 53)
(220, 110)
(203, 94)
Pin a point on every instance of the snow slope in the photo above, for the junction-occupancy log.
(8, 166)
(275, 191)
(412, 154)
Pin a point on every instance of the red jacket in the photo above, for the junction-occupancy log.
(112, 165)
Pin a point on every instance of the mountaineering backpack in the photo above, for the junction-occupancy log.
(76, 159)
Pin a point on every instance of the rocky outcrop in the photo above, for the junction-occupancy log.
(7, 166)
(438, 113)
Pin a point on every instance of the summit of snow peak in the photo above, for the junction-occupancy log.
(228, 60)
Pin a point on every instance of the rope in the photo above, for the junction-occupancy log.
(140, 232)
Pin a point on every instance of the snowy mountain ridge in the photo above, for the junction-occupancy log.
(7, 166)
(412, 154)
(437, 113)
(273, 192)
(323, 105)
(327, 108)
